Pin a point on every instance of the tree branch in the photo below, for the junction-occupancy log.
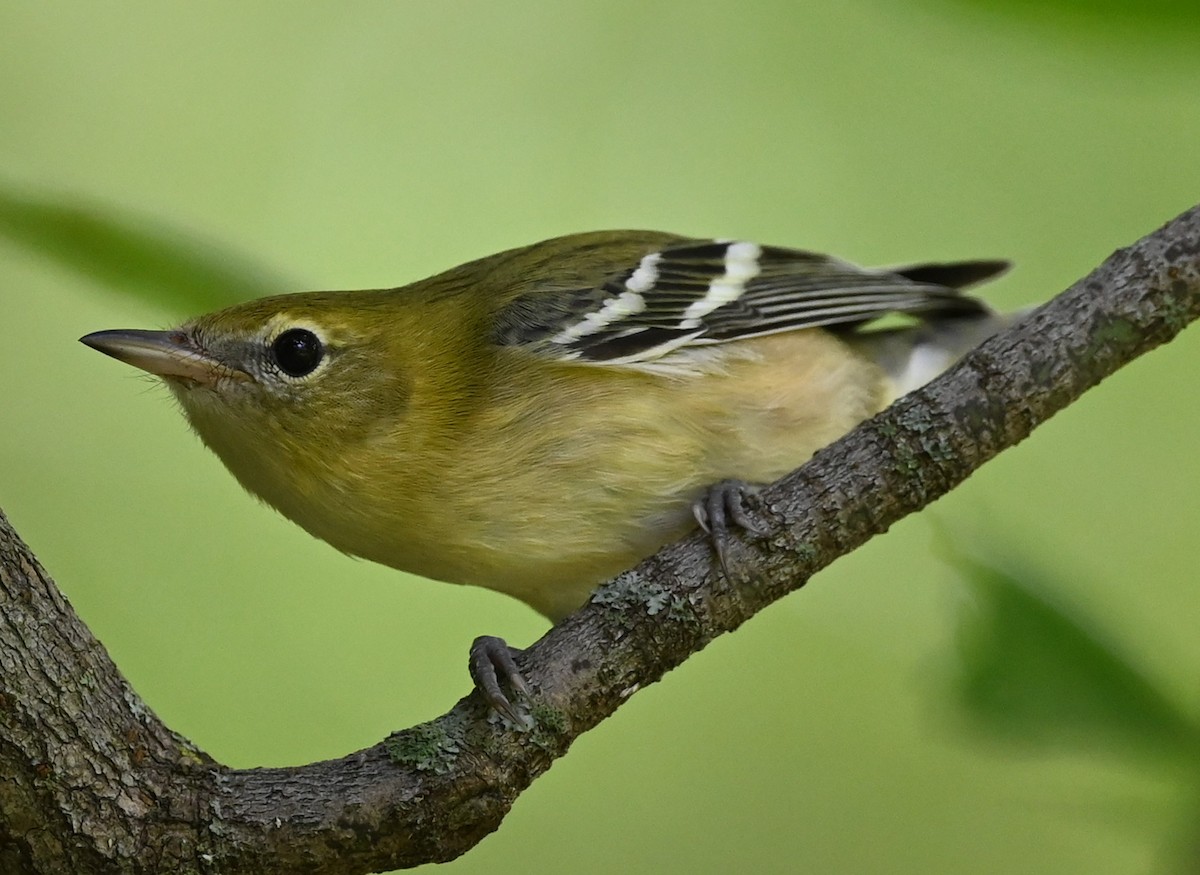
(94, 782)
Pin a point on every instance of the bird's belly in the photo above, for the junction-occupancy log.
(550, 555)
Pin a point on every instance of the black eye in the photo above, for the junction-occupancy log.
(297, 352)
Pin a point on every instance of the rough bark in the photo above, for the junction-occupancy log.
(91, 781)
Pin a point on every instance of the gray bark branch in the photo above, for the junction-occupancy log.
(91, 781)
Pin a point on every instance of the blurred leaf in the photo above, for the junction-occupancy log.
(1035, 672)
(1113, 17)
(133, 255)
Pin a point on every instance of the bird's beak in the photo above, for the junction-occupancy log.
(168, 354)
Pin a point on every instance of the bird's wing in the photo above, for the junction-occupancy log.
(693, 292)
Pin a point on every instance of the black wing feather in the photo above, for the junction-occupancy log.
(704, 292)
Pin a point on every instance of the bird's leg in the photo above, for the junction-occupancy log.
(491, 665)
(720, 509)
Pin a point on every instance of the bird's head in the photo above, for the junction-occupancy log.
(284, 382)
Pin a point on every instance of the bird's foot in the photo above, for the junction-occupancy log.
(721, 509)
(492, 665)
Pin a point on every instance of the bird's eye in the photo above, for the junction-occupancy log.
(297, 351)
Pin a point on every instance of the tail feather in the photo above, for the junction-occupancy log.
(956, 275)
(913, 356)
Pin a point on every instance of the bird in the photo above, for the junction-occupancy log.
(539, 420)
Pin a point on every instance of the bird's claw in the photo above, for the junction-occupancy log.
(721, 508)
(492, 664)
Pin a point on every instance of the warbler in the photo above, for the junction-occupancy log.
(539, 420)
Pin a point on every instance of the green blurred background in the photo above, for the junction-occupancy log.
(367, 144)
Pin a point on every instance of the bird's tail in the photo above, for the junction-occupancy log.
(914, 355)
